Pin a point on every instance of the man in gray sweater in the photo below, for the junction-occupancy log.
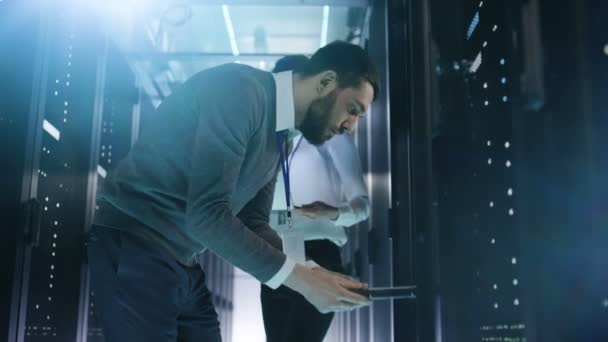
(201, 176)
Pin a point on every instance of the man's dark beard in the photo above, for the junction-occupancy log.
(315, 124)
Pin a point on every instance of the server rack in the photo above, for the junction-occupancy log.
(504, 116)
(52, 176)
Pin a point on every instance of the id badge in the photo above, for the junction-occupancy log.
(293, 245)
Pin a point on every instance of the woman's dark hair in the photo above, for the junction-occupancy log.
(350, 62)
(291, 62)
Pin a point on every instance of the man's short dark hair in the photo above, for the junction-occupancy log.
(350, 62)
(291, 62)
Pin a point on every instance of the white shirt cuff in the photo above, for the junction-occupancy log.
(345, 217)
(279, 278)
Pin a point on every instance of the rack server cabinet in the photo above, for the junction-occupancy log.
(368, 254)
(505, 151)
(19, 71)
(53, 169)
(376, 145)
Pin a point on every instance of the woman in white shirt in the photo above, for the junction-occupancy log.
(329, 192)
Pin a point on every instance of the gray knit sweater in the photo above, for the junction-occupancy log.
(201, 176)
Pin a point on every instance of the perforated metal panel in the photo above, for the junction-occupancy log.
(494, 214)
(475, 171)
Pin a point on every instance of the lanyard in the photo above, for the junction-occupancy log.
(282, 141)
(285, 162)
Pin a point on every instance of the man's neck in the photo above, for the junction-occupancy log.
(301, 98)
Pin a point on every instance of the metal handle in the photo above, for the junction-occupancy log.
(33, 219)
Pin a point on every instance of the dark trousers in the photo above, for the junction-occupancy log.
(143, 294)
(288, 316)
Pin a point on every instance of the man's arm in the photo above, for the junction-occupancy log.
(230, 115)
(256, 215)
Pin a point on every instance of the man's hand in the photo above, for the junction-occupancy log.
(319, 210)
(327, 291)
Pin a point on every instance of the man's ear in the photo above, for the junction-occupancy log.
(328, 81)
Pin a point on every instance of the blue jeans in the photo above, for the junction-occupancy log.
(142, 293)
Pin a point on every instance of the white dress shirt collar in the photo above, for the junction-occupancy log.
(285, 107)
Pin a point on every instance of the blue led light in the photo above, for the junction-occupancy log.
(473, 26)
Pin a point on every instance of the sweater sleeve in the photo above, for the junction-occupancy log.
(229, 117)
(256, 215)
